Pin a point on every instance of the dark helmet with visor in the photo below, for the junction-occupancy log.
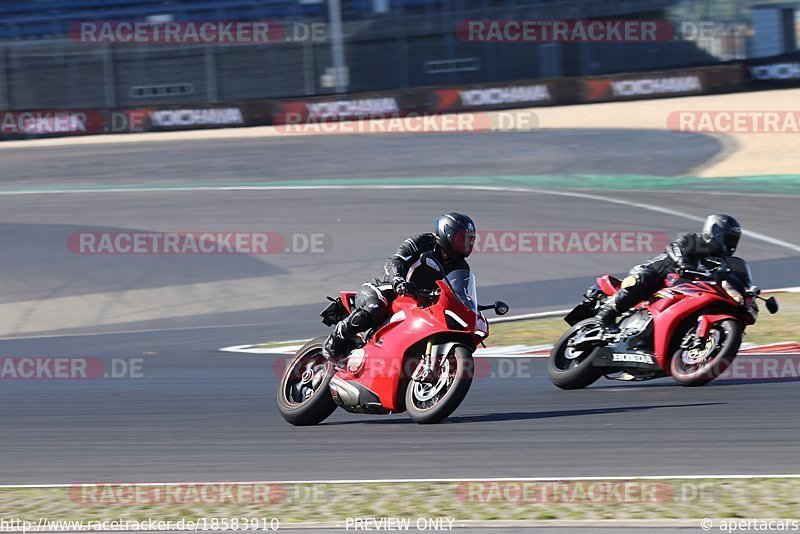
(455, 234)
(722, 233)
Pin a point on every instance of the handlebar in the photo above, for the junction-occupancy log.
(752, 290)
(426, 294)
(704, 274)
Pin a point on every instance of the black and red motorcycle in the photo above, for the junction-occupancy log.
(690, 330)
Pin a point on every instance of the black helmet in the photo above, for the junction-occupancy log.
(721, 233)
(455, 234)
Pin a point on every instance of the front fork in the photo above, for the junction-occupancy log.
(426, 370)
(704, 323)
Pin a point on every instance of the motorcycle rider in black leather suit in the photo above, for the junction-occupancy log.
(720, 237)
(405, 272)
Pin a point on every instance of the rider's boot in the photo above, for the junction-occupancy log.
(608, 315)
(334, 348)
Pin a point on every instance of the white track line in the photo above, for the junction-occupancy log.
(755, 235)
(540, 315)
(512, 351)
(413, 480)
(145, 331)
(493, 320)
(795, 289)
(246, 349)
(674, 213)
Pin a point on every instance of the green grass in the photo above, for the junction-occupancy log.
(333, 503)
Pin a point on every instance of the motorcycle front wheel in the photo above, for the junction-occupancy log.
(709, 359)
(304, 397)
(431, 402)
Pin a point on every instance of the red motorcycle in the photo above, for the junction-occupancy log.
(690, 330)
(419, 360)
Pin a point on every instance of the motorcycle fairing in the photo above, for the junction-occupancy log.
(672, 312)
(384, 368)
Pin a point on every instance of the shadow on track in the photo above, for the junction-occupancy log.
(715, 384)
(525, 416)
(745, 381)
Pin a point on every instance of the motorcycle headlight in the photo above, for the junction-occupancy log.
(732, 292)
(454, 322)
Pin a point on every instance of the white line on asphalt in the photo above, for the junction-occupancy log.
(413, 480)
(674, 213)
(145, 331)
(539, 315)
(249, 349)
(512, 351)
(795, 289)
(555, 313)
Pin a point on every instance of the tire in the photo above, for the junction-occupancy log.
(576, 373)
(460, 367)
(319, 404)
(708, 369)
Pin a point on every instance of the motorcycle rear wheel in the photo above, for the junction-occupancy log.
(304, 397)
(572, 371)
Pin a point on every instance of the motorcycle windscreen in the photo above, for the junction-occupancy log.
(741, 269)
(462, 282)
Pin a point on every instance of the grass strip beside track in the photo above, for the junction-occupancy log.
(600, 499)
(768, 329)
(769, 184)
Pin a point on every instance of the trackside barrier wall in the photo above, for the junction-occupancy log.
(435, 100)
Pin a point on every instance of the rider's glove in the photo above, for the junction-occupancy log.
(403, 287)
(682, 268)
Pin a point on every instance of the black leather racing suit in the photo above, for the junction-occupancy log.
(373, 302)
(685, 252)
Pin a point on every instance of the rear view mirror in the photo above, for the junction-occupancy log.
(501, 308)
(772, 305)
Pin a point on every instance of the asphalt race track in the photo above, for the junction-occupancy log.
(198, 414)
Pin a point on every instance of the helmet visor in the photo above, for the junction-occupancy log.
(732, 241)
(463, 243)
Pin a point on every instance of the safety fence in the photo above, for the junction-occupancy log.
(779, 71)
